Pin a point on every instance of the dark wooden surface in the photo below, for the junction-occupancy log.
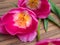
(53, 31)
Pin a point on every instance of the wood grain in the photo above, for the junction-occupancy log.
(53, 30)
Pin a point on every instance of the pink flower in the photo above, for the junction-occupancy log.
(49, 42)
(21, 22)
(40, 7)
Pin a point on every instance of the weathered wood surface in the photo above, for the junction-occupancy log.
(53, 31)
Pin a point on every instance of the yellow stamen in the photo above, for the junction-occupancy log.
(33, 4)
(22, 20)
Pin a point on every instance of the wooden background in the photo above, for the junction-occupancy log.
(53, 31)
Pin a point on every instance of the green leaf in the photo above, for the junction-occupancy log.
(13, 4)
(55, 9)
(53, 20)
(46, 24)
(38, 31)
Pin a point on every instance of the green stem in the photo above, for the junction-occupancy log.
(38, 31)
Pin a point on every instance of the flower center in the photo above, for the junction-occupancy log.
(33, 4)
(22, 20)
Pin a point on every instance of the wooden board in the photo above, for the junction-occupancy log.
(53, 31)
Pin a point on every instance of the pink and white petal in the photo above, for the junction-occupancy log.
(2, 28)
(27, 37)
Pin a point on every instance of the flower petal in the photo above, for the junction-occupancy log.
(2, 28)
(49, 41)
(27, 37)
(44, 10)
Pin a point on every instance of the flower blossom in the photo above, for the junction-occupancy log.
(22, 23)
(40, 7)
